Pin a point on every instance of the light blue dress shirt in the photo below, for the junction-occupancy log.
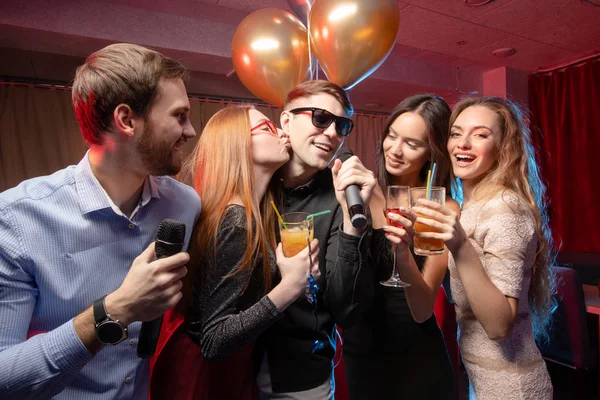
(63, 244)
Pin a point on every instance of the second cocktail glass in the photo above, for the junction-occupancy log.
(396, 197)
(427, 246)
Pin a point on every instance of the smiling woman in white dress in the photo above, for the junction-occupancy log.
(501, 251)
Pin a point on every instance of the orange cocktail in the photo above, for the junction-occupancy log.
(297, 232)
(427, 246)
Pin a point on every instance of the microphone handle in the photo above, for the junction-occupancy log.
(150, 330)
(148, 339)
(355, 207)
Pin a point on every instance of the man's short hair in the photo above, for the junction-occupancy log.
(121, 73)
(311, 88)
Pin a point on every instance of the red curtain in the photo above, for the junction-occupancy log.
(565, 121)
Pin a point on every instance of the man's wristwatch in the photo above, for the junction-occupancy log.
(108, 330)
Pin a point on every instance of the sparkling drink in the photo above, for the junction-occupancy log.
(296, 232)
(427, 246)
(396, 197)
(390, 221)
(294, 241)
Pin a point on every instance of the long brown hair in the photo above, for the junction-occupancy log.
(436, 114)
(516, 170)
(220, 168)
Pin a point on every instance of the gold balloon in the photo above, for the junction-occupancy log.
(270, 54)
(352, 38)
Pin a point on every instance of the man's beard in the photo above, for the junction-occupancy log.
(157, 156)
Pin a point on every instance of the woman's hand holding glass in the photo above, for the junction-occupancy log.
(397, 198)
(293, 270)
(401, 229)
(445, 220)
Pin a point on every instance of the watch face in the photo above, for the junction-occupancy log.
(109, 332)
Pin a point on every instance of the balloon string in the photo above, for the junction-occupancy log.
(310, 62)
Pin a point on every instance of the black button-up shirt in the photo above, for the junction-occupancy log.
(345, 288)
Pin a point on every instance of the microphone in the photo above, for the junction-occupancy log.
(353, 200)
(170, 238)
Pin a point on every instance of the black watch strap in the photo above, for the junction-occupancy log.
(99, 310)
(108, 330)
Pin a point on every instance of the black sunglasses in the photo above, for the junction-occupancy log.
(322, 119)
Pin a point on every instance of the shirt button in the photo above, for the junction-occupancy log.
(131, 342)
(131, 226)
(128, 379)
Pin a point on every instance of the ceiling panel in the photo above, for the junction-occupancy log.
(18, 63)
(48, 42)
(458, 8)
(254, 5)
(201, 62)
(570, 24)
(530, 55)
(200, 10)
(429, 30)
(435, 57)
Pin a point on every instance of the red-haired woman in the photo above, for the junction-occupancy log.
(238, 284)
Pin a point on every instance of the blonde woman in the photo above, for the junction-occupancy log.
(501, 251)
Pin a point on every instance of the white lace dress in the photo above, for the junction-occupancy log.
(502, 230)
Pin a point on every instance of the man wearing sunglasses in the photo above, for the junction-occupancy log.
(300, 347)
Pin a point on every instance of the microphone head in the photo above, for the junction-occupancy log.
(171, 231)
(359, 221)
(344, 154)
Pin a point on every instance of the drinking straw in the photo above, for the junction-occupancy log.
(430, 179)
(278, 215)
(317, 214)
(428, 185)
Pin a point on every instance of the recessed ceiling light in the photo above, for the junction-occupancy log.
(375, 106)
(461, 42)
(475, 3)
(504, 52)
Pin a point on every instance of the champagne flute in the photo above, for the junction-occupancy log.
(396, 197)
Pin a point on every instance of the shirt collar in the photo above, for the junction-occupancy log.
(150, 190)
(311, 185)
(93, 197)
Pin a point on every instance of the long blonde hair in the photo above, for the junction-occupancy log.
(516, 170)
(221, 168)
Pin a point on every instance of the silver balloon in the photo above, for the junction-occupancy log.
(302, 9)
